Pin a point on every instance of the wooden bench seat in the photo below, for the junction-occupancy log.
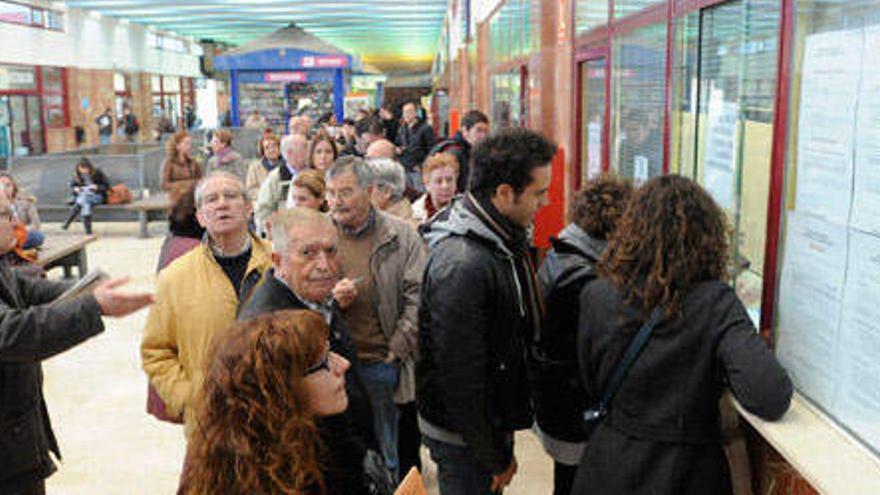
(66, 251)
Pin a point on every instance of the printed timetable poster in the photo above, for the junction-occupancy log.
(829, 295)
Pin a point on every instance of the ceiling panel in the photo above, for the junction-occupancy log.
(389, 34)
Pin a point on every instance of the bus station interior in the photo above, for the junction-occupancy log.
(773, 106)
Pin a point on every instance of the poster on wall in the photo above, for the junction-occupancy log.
(857, 403)
(831, 72)
(721, 144)
(811, 294)
(866, 191)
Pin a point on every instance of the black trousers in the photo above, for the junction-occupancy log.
(563, 478)
(35, 488)
(409, 439)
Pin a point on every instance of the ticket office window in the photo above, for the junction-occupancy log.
(827, 316)
(638, 96)
(592, 119)
(724, 88)
(589, 14)
(53, 97)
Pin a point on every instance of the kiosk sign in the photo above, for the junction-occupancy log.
(325, 62)
(285, 77)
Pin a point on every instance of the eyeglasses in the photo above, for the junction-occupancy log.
(323, 364)
(227, 195)
(341, 195)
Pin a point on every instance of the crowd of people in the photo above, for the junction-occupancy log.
(355, 293)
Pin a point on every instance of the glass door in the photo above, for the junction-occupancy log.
(593, 126)
(5, 131)
(20, 139)
(35, 125)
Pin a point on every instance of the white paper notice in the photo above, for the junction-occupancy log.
(594, 150)
(811, 295)
(832, 68)
(858, 393)
(866, 200)
(640, 169)
(721, 145)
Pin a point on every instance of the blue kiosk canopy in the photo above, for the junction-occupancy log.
(289, 58)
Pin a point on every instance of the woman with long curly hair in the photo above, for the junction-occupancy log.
(661, 433)
(268, 381)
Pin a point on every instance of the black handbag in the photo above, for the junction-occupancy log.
(377, 478)
(594, 416)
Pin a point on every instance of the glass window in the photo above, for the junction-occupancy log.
(501, 100)
(725, 87)
(592, 96)
(589, 14)
(171, 84)
(53, 80)
(624, 8)
(18, 77)
(638, 101)
(55, 20)
(14, 13)
(37, 17)
(121, 82)
(828, 319)
(54, 107)
(156, 84)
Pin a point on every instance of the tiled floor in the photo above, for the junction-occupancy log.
(97, 395)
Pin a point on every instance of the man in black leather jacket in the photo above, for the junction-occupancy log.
(33, 328)
(480, 306)
(415, 138)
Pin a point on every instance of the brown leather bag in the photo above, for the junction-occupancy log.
(118, 195)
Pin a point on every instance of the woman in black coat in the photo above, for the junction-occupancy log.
(559, 400)
(88, 187)
(661, 434)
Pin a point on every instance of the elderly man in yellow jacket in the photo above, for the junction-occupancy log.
(198, 294)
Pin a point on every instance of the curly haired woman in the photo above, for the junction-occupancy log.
(661, 434)
(269, 381)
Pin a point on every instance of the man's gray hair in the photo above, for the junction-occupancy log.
(285, 220)
(203, 182)
(353, 164)
(389, 173)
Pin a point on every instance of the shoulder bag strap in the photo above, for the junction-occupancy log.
(629, 357)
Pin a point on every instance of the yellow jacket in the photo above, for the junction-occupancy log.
(194, 302)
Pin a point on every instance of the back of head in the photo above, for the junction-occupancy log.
(224, 136)
(671, 236)
(508, 156)
(389, 174)
(381, 148)
(254, 433)
(171, 151)
(598, 206)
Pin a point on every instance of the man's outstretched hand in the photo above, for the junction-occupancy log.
(114, 302)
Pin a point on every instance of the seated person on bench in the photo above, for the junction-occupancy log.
(24, 211)
(88, 187)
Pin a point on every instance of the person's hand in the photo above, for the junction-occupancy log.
(345, 292)
(390, 358)
(114, 302)
(76, 189)
(501, 480)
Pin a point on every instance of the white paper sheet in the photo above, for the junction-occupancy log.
(858, 394)
(721, 146)
(831, 73)
(866, 191)
(811, 295)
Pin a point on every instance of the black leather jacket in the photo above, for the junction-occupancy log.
(559, 397)
(416, 142)
(31, 331)
(471, 379)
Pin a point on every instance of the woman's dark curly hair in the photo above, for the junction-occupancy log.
(598, 206)
(254, 432)
(671, 236)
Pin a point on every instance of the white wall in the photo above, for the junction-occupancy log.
(91, 43)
